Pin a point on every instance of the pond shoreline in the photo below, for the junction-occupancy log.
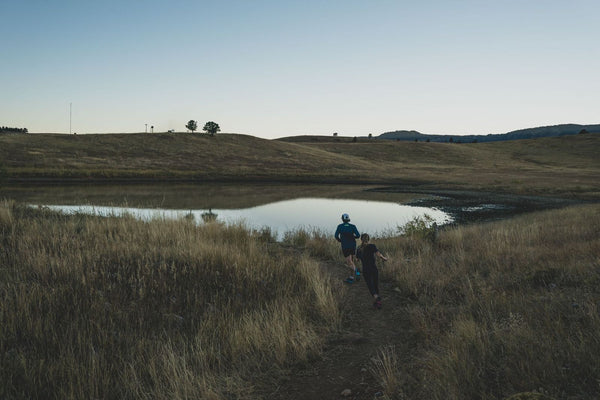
(469, 206)
(464, 205)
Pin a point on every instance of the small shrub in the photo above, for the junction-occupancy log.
(423, 228)
(209, 216)
(299, 237)
(265, 235)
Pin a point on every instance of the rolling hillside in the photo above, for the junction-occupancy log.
(529, 133)
(162, 157)
(565, 165)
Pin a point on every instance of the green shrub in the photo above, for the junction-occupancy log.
(423, 228)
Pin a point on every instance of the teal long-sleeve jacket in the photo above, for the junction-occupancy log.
(347, 234)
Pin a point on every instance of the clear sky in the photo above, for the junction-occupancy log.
(274, 68)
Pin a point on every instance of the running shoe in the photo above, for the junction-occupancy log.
(349, 280)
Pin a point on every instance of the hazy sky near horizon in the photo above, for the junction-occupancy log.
(274, 68)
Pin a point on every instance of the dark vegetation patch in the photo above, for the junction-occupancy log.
(472, 206)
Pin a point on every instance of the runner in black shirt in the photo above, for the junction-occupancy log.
(366, 253)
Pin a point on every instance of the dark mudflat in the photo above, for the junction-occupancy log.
(472, 206)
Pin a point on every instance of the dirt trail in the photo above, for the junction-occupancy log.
(347, 359)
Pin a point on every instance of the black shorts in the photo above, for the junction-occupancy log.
(348, 252)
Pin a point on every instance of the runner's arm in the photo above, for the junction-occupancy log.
(337, 234)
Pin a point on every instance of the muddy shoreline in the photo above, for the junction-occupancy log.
(467, 207)
(463, 205)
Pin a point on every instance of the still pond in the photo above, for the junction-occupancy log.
(280, 208)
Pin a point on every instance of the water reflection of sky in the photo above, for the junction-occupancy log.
(374, 217)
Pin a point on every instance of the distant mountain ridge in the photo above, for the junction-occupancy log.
(529, 133)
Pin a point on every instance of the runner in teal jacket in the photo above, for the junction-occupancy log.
(346, 233)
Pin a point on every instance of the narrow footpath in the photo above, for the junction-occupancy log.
(345, 370)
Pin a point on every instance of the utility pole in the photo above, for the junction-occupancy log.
(70, 117)
(146, 128)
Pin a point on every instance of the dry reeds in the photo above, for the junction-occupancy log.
(119, 308)
(505, 307)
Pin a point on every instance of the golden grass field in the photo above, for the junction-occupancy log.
(119, 308)
(112, 308)
(564, 166)
(505, 307)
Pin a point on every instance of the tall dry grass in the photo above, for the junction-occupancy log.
(119, 308)
(503, 307)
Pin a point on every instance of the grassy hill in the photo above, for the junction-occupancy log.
(162, 157)
(528, 133)
(566, 166)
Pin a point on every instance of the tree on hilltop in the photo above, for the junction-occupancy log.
(7, 129)
(192, 125)
(211, 127)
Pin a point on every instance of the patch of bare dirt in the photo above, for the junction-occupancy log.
(345, 370)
